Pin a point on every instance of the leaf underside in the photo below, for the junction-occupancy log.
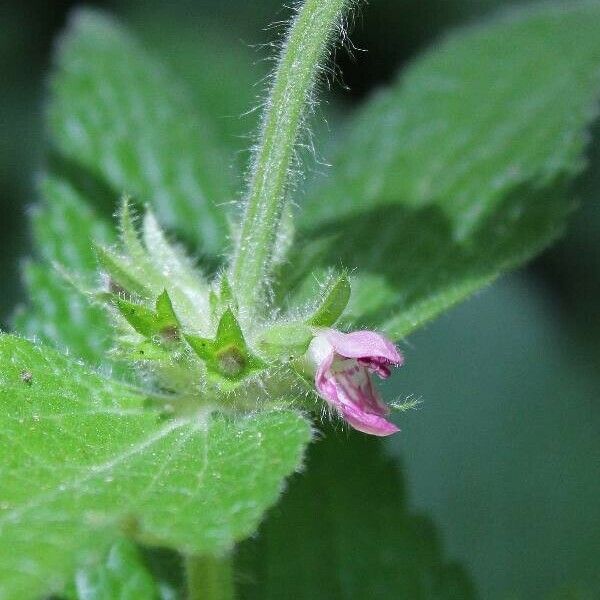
(117, 116)
(462, 168)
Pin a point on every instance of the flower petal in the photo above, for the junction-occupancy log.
(354, 386)
(343, 364)
(347, 387)
(368, 423)
(364, 344)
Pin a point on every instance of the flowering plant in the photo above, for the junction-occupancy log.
(153, 400)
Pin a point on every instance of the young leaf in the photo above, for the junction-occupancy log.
(88, 460)
(346, 522)
(118, 115)
(461, 169)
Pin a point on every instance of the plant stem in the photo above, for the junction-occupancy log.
(209, 578)
(306, 43)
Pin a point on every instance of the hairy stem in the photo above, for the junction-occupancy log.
(296, 73)
(209, 578)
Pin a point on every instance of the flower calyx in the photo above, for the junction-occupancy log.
(159, 324)
(227, 356)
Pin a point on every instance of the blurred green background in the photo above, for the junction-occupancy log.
(503, 454)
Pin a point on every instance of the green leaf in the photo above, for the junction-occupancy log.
(505, 441)
(461, 169)
(88, 460)
(344, 531)
(209, 50)
(58, 313)
(121, 575)
(117, 115)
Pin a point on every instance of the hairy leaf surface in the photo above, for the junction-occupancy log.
(87, 460)
(58, 312)
(461, 169)
(119, 117)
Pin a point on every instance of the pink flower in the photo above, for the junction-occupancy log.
(344, 362)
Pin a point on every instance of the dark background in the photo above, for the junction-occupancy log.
(503, 453)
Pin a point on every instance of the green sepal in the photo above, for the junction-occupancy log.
(213, 305)
(119, 272)
(221, 298)
(203, 347)
(226, 293)
(288, 340)
(168, 324)
(161, 322)
(140, 317)
(129, 234)
(334, 301)
(229, 330)
(228, 355)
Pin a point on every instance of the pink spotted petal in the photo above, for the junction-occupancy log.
(347, 387)
(355, 387)
(376, 365)
(365, 345)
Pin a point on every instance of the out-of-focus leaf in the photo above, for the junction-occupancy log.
(344, 531)
(462, 168)
(121, 575)
(503, 452)
(86, 459)
(120, 116)
(59, 314)
(222, 71)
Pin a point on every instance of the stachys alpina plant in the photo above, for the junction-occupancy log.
(159, 393)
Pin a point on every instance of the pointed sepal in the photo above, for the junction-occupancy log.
(228, 355)
(120, 273)
(129, 233)
(333, 302)
(160, 324)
